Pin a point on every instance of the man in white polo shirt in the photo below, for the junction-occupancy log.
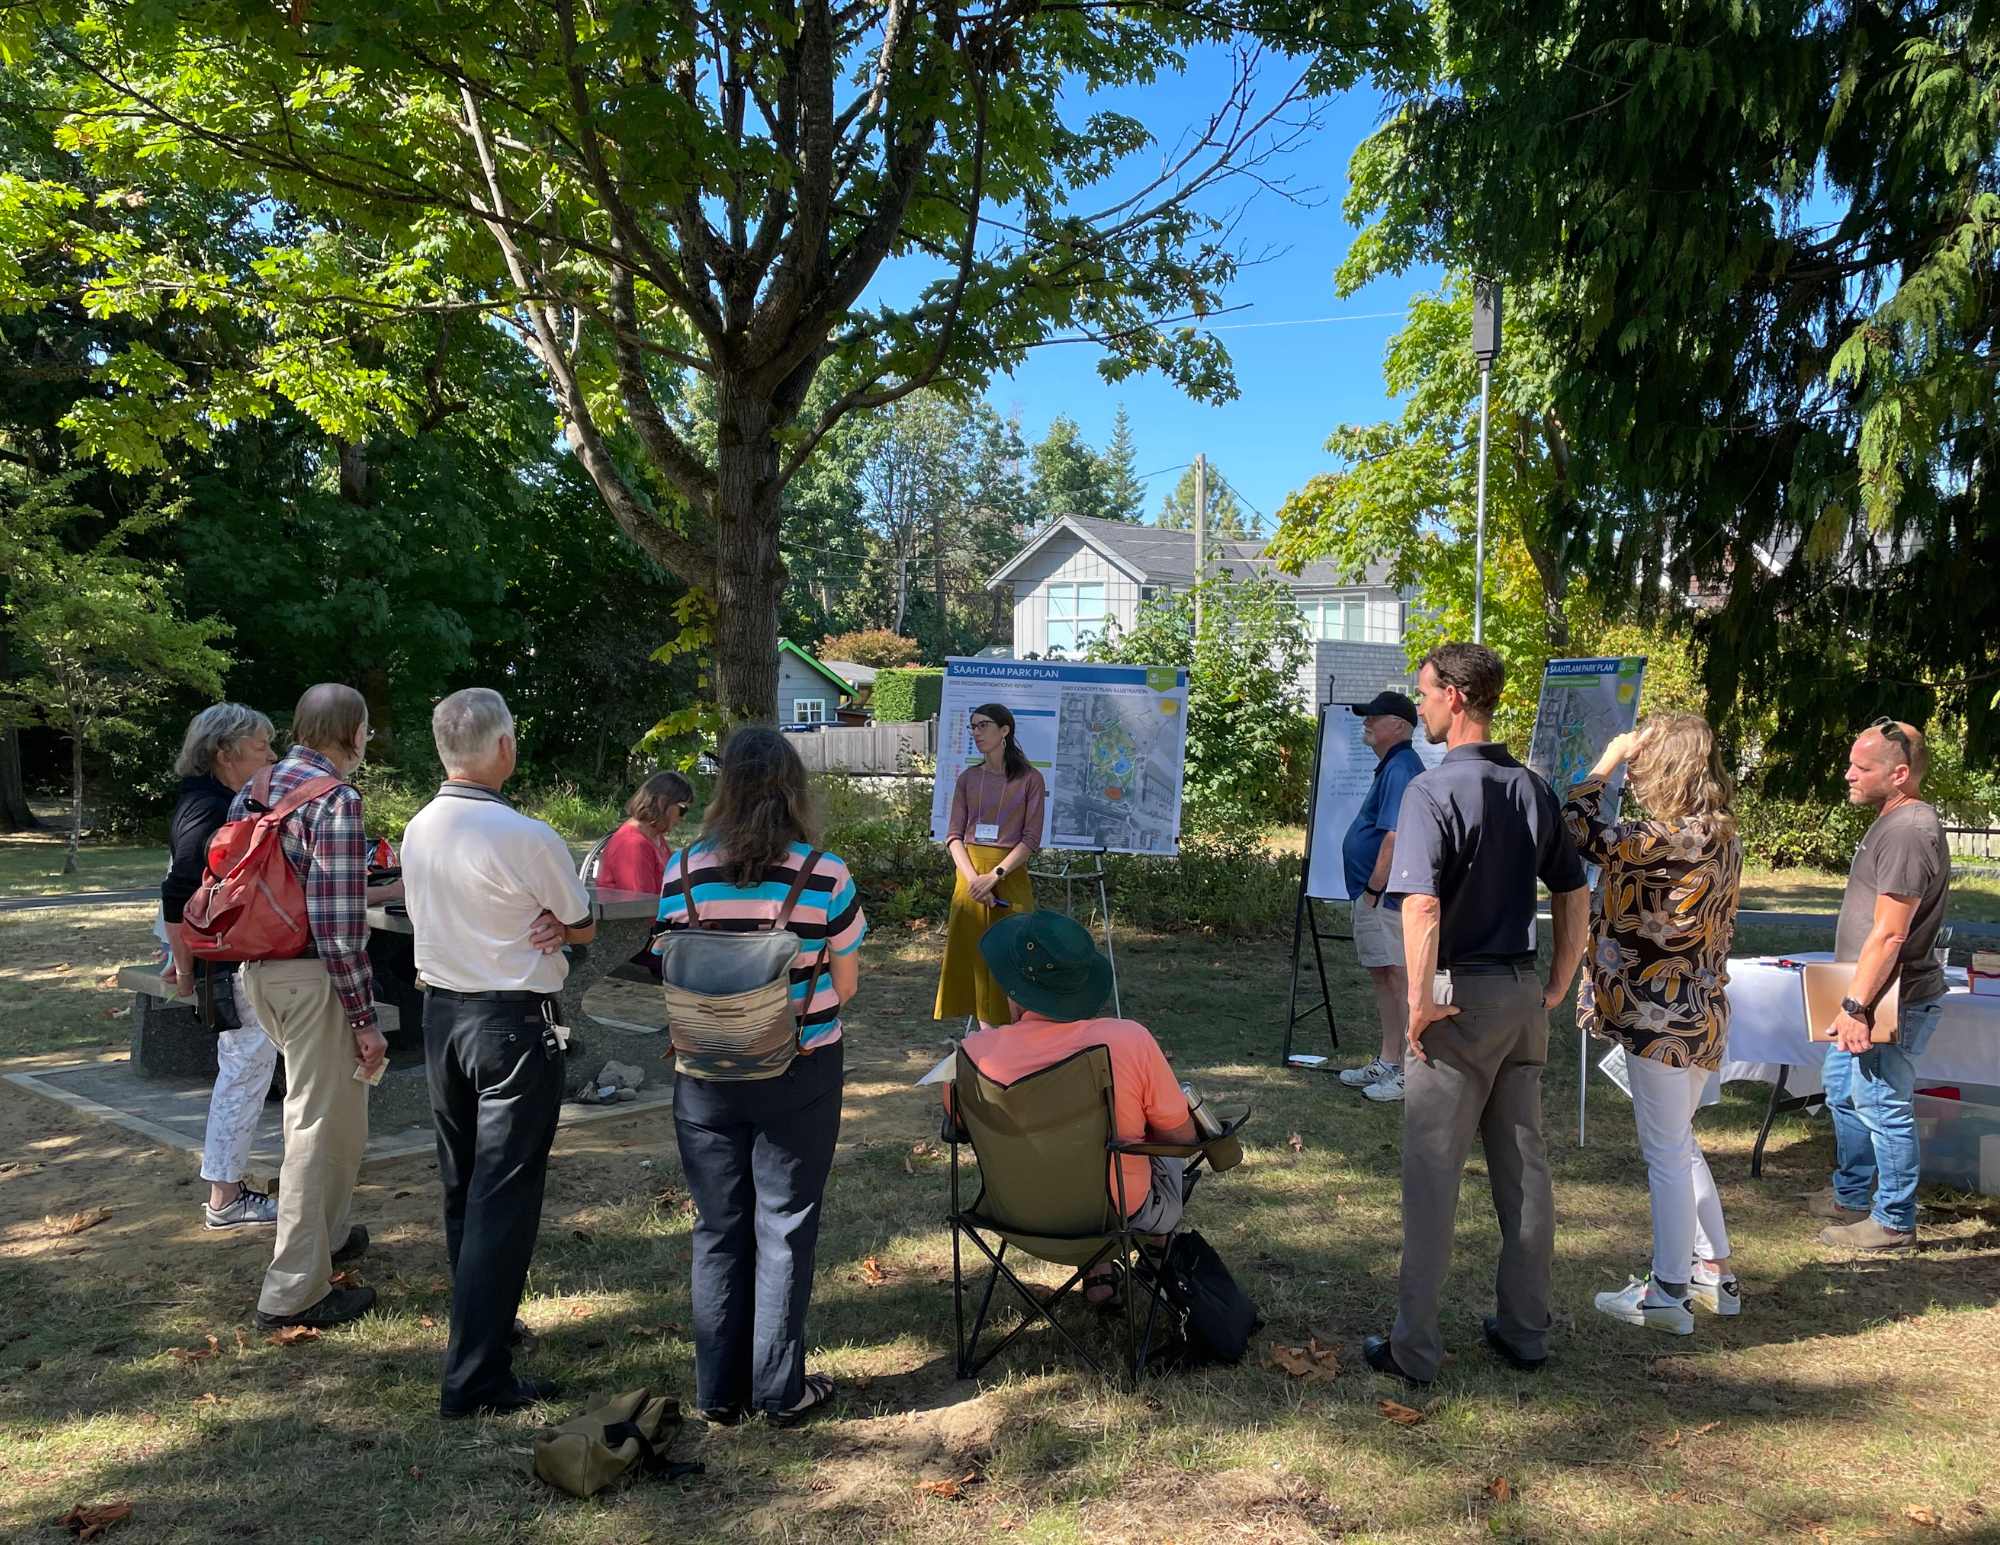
(493, 896)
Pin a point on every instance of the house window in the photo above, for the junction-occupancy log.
(808, 710)
(1076, 615)
(1336, 617)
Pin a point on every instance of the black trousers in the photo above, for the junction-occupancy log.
(756, 1155)
(496, 1090)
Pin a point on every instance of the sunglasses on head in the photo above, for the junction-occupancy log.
(1891, 731)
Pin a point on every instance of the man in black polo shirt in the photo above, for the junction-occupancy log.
(1475, 834)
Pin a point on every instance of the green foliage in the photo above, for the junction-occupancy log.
(641, 199)
(1752, 287)
(1069, 477)
(907, 693)
(99, 632)
(1124, 494)
(1226, 517)
(1243, 662)
(1798, 834)
(872, 646)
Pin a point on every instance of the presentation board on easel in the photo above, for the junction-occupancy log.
(1345, 769)
(1110, 741)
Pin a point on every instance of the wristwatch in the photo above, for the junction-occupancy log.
(1855, 1008)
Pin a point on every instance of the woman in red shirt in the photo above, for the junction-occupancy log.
(635, 859)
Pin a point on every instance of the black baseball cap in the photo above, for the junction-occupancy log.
(1384, 704)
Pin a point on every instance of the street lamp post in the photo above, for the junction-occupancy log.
(1486, 345)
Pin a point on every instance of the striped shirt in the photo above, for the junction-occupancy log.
(828, 912)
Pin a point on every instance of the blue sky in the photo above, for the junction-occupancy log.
(1295, 382)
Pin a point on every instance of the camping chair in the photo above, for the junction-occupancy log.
(1044, 1144)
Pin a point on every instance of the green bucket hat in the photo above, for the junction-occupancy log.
(1046, 961)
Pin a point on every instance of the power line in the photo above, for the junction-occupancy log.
(1350, 316)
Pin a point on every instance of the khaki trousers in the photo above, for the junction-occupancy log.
(326, 1127)
(1484, 1077)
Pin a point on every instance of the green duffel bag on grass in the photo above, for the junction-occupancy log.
(622, 1436)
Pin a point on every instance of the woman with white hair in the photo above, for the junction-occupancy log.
(225, 747)
(1661, 925)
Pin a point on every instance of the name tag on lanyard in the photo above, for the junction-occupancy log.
(986, 831)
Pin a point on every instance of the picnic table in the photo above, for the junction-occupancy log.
(624, 919)
(1768, 1042)
(168, 1038)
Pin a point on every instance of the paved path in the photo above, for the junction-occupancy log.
(77, 899)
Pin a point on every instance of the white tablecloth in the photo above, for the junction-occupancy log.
(1767, 1028)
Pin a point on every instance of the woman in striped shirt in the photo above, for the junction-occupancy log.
(756, 1153)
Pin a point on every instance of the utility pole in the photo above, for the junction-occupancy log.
(1200, 533)
(1486, 345)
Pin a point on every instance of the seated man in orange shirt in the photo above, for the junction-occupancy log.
(1056, 981)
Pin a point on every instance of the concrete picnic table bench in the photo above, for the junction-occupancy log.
(168, 1038)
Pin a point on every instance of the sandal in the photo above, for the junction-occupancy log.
(820, 1390)
(723, 1416)
(1101, 1289)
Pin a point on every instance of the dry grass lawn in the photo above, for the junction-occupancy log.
(1853, 1399)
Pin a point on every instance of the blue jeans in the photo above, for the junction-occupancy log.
(1874, 1120)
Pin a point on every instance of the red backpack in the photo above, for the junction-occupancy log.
(251, 904)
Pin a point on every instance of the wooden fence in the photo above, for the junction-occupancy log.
(1980, 844)
(868, 750)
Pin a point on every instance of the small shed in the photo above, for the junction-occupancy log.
(809, 693)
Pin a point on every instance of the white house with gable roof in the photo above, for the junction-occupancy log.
(1077, 575)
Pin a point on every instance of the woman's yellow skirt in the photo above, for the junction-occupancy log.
(965, 986)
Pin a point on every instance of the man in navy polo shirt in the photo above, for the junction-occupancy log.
(1387, 720)
(1475, 834)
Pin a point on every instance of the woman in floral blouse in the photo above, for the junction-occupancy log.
(1661, 924)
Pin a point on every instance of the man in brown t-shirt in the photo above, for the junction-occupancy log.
(1889, 922)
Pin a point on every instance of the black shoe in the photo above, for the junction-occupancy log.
(1491, 1327)
(525, 1392)
(1376, 1350)
(354, 1248)
(724, 1416)
(338, 1307)
(520, 1338)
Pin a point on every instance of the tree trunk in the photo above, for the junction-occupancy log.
(75, 800)
(750, 573)
(15, 816)
(375, 687)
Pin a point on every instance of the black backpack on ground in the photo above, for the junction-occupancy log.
(1216, 1318)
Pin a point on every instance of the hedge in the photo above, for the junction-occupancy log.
(907, 693)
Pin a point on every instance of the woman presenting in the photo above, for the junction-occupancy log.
(996, 824)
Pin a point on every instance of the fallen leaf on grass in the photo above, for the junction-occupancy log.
(292, 1335)
(1400, 1414)
(88, 1521)
(579, 1311)
(1296, 1143)
(428, 1323)
(1309, 1362)
(76, 1222)
(345, 1279)
(1923, 1517)
(1500, 1489)
(872, 1272)
(1706, 1427)
(209, 1399)
(1678, 1498)
(949, 1490)
(1662, 1440)
(242, 1341)
(197, 1354)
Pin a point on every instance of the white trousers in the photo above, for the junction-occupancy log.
(1687, 1213)
(244, 1062)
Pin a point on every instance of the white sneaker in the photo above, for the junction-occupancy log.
(1388, 1087)
(1713, 1291)
(250, 1207)
(1361, 1077)
(1641, 1303)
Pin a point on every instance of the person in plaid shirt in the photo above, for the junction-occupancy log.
(320, 1009)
